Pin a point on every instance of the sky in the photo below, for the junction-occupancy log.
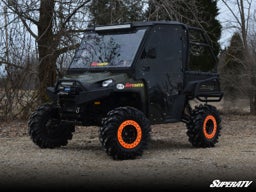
(224, 41)
(2, 70)
(226, 20)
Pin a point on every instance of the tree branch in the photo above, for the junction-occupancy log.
(11, 64)
(28, 28)
(74, 12)
(22, 18)
(65, 49)
(232, 12)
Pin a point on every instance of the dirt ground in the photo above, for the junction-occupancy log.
(169, 162)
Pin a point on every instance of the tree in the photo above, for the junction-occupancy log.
(15, 55)
(198, 13)
(115, 11)
(242, 12)
(232, 69)
(54, 25)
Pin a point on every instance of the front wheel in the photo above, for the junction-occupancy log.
(203, 128)
(124, 133)
(46, 130)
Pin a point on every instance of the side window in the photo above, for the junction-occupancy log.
(200, 55)
(164, 48)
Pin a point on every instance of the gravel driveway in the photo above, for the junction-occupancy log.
(169, 162)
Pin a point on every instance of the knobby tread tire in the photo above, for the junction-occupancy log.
(38, 130)
(108, 132)
(195, 126)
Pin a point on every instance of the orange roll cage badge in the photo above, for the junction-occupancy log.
(136, 142)
(214, 130)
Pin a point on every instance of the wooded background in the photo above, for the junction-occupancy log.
(38, 39)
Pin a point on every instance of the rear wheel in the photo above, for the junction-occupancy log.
(46, 130)
(124, 133)
(203, 128)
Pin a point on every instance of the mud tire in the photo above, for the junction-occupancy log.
(204, 126)
(46, 130)
(124, 133)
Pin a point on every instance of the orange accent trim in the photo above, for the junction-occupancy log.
(212, 134)
(120, 131)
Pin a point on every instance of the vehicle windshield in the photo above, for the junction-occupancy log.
(107, 50)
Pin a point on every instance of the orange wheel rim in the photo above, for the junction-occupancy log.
(136, 139)
(210, 127)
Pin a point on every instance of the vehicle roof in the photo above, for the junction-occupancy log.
(145, 24)
(150, 23)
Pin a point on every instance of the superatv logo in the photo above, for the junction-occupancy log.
(218, 183)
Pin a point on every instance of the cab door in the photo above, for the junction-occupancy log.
(161, 67)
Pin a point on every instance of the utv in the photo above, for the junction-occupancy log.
(126, 77)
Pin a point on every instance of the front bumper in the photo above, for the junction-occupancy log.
(74, 91)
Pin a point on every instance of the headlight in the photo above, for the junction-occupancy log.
(106, 83)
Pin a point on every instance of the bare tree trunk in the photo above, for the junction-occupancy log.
(46, 48)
